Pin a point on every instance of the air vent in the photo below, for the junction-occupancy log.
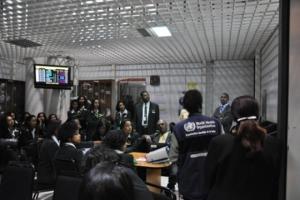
(143, 32)
(24, 43)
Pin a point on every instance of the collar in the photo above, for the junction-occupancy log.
(124, 112)
(70, 144)
(54, 138)
(118, 151)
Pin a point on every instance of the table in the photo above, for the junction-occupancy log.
(153, 173)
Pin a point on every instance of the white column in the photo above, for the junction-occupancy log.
(34, 98)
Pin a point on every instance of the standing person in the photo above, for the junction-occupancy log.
(41, 123)
(146, 115)
(73, 112)
(94, 116)
(223, 113)
(192, 137)
(121, 114)
(246, 164)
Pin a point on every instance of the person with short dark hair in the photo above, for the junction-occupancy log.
(146, 115)
(190, 142)
(223, 113)
(102, 153)
(116, 140)
(107, 181)
(69, 136)
(245, 164)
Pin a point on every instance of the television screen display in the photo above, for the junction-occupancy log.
(52, 76)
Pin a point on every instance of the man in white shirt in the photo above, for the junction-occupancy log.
(146, 115)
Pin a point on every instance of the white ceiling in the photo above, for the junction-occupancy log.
(103, 32)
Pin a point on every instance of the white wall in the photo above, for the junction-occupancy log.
(12, 70)
(234, 77)
(293, 165)
(267, 76)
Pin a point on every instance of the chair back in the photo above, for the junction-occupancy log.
(67, 188)
(17, 181)
(66, 168)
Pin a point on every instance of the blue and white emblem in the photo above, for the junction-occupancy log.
(189, 126)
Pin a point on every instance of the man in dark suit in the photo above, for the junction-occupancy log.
(223, 113)
(146, 115)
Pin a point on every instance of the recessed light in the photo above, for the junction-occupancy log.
(161, 31)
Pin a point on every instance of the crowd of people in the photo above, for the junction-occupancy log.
(211, 158)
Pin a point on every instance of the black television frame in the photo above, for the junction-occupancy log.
(53, 86)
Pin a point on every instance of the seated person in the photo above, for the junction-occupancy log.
(8, 140)
(46, 170)
(132, 141)
(69, 136)
(161, 138)
(116, 140)
(101, 153)
(107, 181)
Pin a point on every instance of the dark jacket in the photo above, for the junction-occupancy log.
(46, 170)
(233, 174)
(194, 135)
(153, 117)
(68, 152)
(224, 117)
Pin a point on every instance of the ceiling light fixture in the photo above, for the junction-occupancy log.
(161, 31)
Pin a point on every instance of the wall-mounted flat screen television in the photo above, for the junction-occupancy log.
(52, 76)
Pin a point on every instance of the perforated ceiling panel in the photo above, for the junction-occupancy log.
(105, 32)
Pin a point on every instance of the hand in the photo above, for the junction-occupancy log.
(147, 138)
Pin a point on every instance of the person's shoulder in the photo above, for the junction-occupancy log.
(272, 144)
(224, 138)
(153, 104)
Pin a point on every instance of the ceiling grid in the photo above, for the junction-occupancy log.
(104, 32)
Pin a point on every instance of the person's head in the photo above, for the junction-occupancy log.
(172, 126)
(82, 101)
(100, 153)
(245, 111)
(41, 117)
(52, 117)
(69, 132)
(120, 106)
(102, 127)
(126, 126)
(25, 115)
(184, 114)
(74, 105)
(10, 122)
(77, 122)
(162, 126)
(52, 128)
(224, 98)
(107, 181)
(115, 139)
(192, 101)
(30, 122)
(145, 96)
(95, 104)
(12, 114)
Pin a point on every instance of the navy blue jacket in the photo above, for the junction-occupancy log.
(193, 136)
